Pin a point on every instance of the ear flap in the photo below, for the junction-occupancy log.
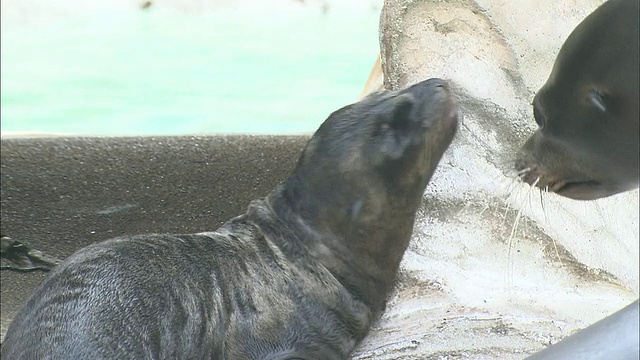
(397, 135)
(401, 117)
(596, 98)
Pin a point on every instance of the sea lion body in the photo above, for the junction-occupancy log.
(301, 275)
(586, 146)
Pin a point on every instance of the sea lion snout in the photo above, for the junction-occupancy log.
(426, 88)
(420, 117)
(428, 113)
(435, 111)
(432, 98)
(586, 146)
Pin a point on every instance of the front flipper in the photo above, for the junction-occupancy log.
(17, 256)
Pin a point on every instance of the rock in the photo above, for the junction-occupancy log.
(496, 270)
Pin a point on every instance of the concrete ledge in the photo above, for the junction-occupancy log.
(61, 194)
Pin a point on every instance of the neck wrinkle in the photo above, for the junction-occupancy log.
(355, 268)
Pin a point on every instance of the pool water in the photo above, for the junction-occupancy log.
(161, 73)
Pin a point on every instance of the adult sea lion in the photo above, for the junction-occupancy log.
(302, 274)
(586, 146)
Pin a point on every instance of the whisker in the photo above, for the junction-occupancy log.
(514, 228)
(513, 184)
(544, 192)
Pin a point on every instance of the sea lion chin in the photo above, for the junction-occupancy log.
(302, 274)
(586, 146)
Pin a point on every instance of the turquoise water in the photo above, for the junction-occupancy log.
(154, 73)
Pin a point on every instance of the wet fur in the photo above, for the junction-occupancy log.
(302, 274)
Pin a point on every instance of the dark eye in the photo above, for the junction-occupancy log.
(537, 114)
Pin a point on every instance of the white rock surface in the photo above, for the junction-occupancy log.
(495, 270)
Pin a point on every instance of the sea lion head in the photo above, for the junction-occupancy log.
(586, 145)
(360, 179)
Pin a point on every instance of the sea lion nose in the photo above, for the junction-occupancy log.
(429, 88)
(436, 82)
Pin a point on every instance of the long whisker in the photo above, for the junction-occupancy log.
(545, 192)
(514, 228)
(511, 186)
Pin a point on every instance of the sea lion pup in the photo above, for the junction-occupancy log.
(586, 146)
(301, 275)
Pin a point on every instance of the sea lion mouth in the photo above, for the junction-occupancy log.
(577, 190)
(584, 189)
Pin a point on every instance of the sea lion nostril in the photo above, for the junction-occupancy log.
(433, 90)
(436, 82)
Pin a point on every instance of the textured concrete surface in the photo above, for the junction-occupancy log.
(495, 269)
(60, 194)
